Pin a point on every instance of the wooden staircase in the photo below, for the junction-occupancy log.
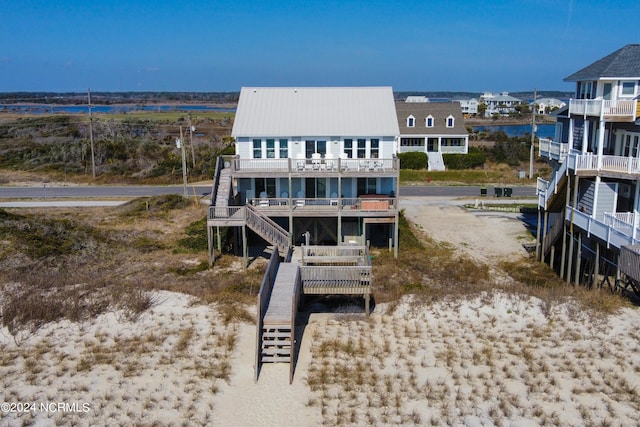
(278, 323)
(277, 307)
(266, 228)
(223, 193)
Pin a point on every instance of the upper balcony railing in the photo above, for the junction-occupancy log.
(550, 149)
(622, 109)
(613, 164)
(314, 164)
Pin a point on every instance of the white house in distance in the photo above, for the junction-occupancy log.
(469, 106)
(547, 105)
(434, 128)
(314, 159)
(590, 232)
(500, 103)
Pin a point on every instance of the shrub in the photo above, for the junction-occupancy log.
(413, 160)
(475, 158)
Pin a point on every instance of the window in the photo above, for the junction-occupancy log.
(367, 186)
(628, 89)
(375, 148)
(450, 121)
(312, 147)
(257, 148)
(348, 148)
(586, 90)
(411, 121)
(266, 185)
(412, 142)
(271, 148)
(362, 148)
(284, 148)
(429, 121)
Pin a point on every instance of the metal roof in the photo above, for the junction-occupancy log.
(315, 111)
(624, 62)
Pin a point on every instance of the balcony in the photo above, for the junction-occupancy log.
(591, 163)
(315, 166)
(613, 229)
(615, 110)
(300, 207)
(550, 149)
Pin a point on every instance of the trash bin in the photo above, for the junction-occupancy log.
(508, 192)
(498, 191)
(483, 191)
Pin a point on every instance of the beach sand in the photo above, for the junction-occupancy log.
(494, 358)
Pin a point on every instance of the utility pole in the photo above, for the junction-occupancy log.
(533, 132)
(180, 145)
(93, 158)
(193, 154)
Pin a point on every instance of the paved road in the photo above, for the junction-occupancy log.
(96, 192)
(129, 191)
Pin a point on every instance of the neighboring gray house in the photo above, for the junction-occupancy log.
(591, 203)
(435, 128)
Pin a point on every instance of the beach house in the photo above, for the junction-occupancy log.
(435, 128)
(588, 226)
(314, 164)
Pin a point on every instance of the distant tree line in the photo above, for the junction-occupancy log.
(107, 98)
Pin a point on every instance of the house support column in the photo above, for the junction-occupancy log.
(571, 126)
(245, 246)
(366, 303)
(596, 269)
(575, 201)
(396, 235)
(553, 256)
(539, 257)
(339, 234)
(578, 259)
(210, 247)
(292, 237)
(563, 257)
(219, 239)
(545, 225)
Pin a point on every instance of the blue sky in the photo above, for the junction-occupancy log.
(186, 45)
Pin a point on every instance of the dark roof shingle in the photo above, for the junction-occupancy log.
(624, 62)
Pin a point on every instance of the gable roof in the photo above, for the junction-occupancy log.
(624, 62)
(315, 111)
(439, 110)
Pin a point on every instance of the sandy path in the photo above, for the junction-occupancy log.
(485, 236)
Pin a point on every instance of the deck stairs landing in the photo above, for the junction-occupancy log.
(435, 162)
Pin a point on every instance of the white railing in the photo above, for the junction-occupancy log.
(613, 236)
(595, 107)
(627, 222)
(314, 165)
(553, 150)
(545, 189)
(617, 164)
(444, 149)
(354, 203)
